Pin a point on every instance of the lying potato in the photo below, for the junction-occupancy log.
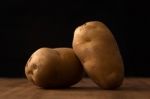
(53, 68)
(97, 50)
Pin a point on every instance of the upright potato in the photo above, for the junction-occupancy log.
(53, 68)
(97, 50)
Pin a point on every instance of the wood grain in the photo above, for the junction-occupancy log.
(21, 88)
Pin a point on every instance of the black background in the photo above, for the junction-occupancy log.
(26, 25)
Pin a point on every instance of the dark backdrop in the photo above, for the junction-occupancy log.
(26, 25)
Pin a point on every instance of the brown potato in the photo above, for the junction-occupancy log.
(53, 68)
(97, 50)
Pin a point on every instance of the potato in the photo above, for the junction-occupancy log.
(54, 68)
(97, 50)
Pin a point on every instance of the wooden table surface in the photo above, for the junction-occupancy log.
(21, 88)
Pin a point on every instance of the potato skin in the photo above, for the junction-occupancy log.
(97, 50)
(53, 68)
